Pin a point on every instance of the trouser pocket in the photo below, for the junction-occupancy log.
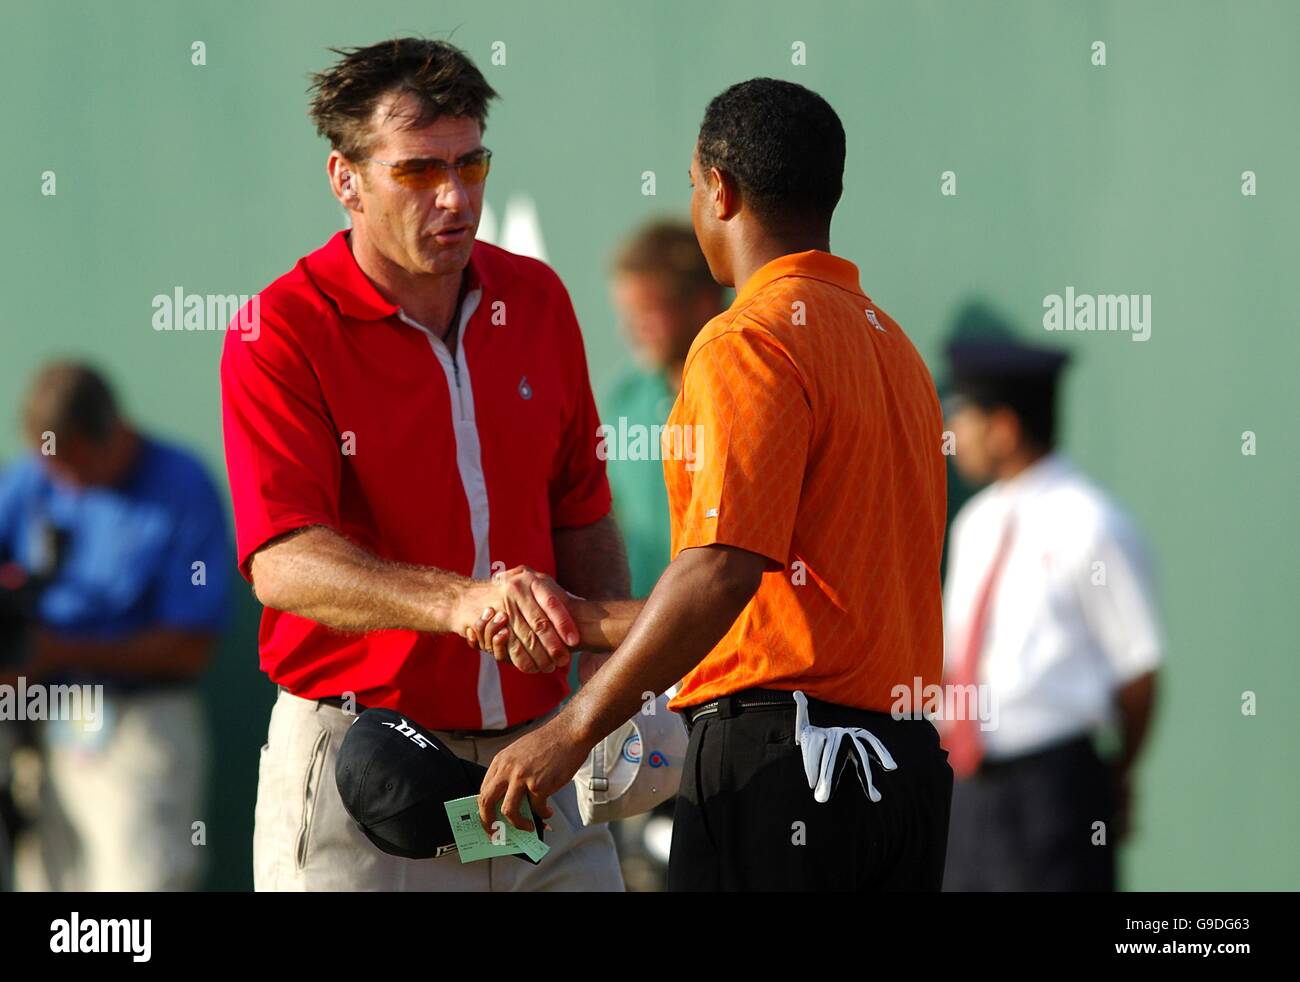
(311, 791)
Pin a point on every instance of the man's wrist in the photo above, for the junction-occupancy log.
(579, 723)
(594, 626)
(610, 622)
(454, 603)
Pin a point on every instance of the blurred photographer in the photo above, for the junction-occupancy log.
(131, 610)
(20, 591)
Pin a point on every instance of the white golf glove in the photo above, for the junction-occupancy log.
(821, 748)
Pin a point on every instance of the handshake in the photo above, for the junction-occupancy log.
(527, 618)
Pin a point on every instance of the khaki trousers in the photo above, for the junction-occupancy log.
(303, 838)
(119, 806)
(7, 744)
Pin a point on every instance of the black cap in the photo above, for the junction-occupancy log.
(985, 354)
(394, 777)
(1003, 371)
(980, 359)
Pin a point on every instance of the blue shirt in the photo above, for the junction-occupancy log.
(131, 552)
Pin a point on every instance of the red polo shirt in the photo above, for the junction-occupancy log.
(338, 412)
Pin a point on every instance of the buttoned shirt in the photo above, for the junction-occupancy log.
(1074, 615)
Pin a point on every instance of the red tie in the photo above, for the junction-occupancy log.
(961, 737)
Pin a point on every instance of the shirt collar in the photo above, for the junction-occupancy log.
(335, 272)
(813, 264)
(1035, 477)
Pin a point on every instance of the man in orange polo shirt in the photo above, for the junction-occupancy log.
(804, 594)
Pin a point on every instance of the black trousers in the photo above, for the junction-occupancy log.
(746, 818)
(1028, 823)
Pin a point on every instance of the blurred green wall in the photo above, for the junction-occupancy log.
(1117, 179)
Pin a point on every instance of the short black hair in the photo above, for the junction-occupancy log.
(782, 144)
(1033, 401)
(442, 79)
(992, 367)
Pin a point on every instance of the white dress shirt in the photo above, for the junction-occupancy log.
(1073, 616)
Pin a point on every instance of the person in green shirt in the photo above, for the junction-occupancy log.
(663, 293)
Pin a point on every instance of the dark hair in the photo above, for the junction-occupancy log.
(439, 75)
(782, 144)
(1033, 401)
(70, 398)
(667, 249)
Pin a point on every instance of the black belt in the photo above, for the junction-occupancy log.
(336, 702)
(1077, 746)
(489, 734)
(352, 706)
(740, 702)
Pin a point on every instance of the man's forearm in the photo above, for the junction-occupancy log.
(604, 624)
(322, 576)
(692, 606)
(591, 561)
(1136, 703)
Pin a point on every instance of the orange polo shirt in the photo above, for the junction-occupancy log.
(808, 430)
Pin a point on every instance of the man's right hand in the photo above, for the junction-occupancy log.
(519, 614)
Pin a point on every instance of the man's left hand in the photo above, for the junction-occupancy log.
(536, 766)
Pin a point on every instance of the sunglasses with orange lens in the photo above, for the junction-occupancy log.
(421, 173)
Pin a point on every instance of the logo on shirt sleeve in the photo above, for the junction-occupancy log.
(711, 513)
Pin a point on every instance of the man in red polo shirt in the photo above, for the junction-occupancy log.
(411, 415)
